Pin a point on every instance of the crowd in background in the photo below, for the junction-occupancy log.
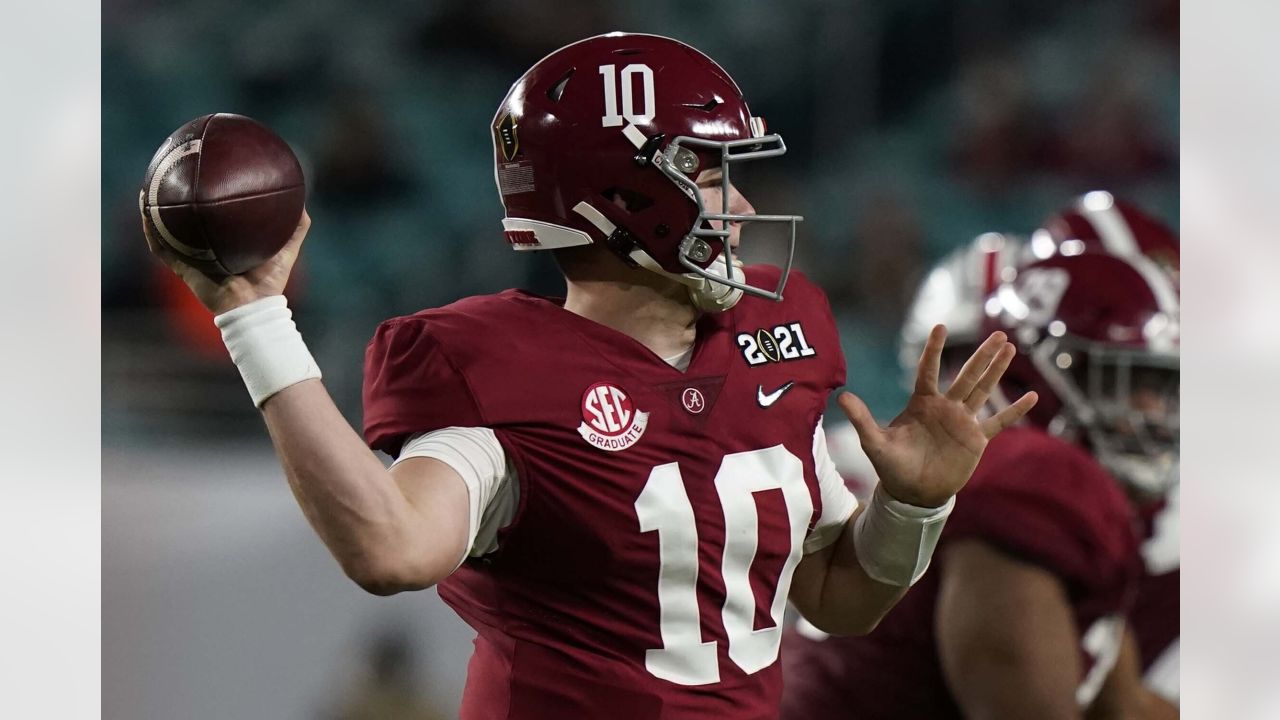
(912, 125)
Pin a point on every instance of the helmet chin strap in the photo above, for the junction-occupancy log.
(706, 294)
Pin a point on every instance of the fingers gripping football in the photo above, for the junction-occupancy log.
(222, 294)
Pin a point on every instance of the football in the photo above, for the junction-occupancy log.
(768, 345)
(224, 192)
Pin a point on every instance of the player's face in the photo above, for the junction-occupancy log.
(1153, 398)
(712, 197)
(1141, 407)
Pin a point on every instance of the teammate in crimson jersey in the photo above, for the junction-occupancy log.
(1038, 555)
(1024, 614)
(1145, 462)
(619, 490)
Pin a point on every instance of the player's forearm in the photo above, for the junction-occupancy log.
(382, 539)
(1010, 702)
(1006, 634)
(850, 601)
(1122, 695)
(883, 549)
(834, 593)
(347, 495)
(1155, 707)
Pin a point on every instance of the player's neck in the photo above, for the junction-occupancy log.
(660, 318)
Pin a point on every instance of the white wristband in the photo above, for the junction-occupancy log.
(266, 347)
(894, 541)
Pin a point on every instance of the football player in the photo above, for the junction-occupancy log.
(1024, 614)
(621, 489)
(1098, 220)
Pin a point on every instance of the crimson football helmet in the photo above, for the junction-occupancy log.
(1098, 336)
(603, 141)
(1098, 221)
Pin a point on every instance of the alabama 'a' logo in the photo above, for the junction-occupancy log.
(610, 420)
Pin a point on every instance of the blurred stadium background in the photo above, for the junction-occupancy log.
(913, 126)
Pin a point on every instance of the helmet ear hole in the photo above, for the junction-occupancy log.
(627, 199)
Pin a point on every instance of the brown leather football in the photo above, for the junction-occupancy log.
(224, 192)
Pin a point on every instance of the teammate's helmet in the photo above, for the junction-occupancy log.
(1097, 221)
(602, 141)
(953, 293)
(1096, 332)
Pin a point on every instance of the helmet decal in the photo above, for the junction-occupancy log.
(507, 139)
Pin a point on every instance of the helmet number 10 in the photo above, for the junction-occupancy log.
(629, 111)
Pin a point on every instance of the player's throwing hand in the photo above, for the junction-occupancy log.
(931, 448)
(222, 294)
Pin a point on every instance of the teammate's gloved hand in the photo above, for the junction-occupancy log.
(929, 451)
(231, 292)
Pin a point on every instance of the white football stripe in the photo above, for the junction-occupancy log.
(153, 195)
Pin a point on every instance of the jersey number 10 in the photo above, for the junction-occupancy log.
(664, 506)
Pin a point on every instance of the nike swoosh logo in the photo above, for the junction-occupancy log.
(771, 398)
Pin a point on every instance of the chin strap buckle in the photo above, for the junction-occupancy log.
(648, 152)
(621, 243)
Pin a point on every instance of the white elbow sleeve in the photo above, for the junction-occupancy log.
(266, 347)
(894, 541)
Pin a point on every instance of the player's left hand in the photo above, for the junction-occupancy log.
(929, 451)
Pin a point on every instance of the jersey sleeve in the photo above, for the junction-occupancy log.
(838, 503)
(479, 459)
(845, 449)
(1053, 511)
(411, 386)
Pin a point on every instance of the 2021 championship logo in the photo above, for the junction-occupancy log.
(610, 420)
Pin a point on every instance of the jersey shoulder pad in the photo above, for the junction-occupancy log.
(416, 375)
(1048, 502)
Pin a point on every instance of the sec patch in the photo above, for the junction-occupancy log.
(610, 419)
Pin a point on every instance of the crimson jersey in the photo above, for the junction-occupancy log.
(1032, 496)
(661, 513)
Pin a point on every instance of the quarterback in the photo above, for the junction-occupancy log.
(619, 490)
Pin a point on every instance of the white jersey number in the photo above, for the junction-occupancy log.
(632, 114)
(1160, 551)
(664, 506)
(1102, 642)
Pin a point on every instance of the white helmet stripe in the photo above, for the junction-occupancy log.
(1158, 280)
(1099, 208)
(636, 137)
(641, 258)
(595, 217)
